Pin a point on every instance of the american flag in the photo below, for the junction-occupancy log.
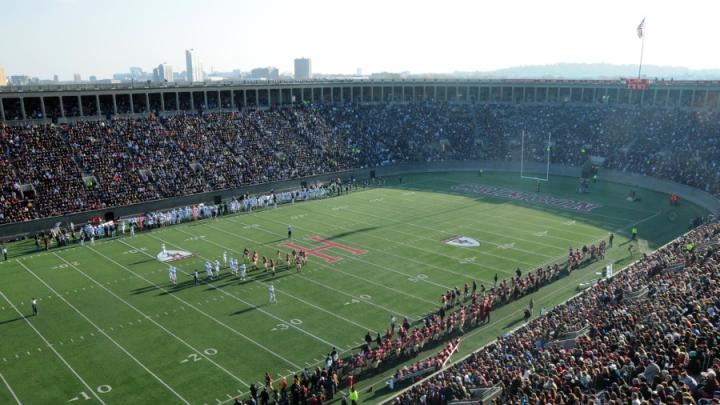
(641, 29)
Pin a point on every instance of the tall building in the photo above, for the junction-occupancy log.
(77, 77)
(303, 69)
(193, 67)
(163, 73)
(3, 79)
(266, 73)
(93, 78)
(56, 78)
(136, 72)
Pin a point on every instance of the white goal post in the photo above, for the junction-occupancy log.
(522, 160)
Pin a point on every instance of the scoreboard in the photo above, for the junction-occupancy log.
(637, 84)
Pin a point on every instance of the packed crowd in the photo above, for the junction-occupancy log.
(49, 170)
(657, 347)
(459, 310)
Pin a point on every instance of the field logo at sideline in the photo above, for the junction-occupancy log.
(555, 202)
(462, 241)
(172, 255)
(325, 244)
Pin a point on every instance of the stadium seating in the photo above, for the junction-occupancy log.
(659, 348)
(52, 170)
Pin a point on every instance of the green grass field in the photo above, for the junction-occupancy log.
(112, 329)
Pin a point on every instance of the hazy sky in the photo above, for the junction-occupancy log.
(46, 37)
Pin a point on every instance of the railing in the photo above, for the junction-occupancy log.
(48, 87)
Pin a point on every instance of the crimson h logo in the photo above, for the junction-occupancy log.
(324, 245)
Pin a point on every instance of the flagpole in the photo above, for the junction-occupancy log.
(642, 50)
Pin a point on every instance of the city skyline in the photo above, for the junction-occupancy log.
(426, 37)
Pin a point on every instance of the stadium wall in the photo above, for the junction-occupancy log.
(699, 197)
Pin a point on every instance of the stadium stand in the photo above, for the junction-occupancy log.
(660, 347)
(96, 164)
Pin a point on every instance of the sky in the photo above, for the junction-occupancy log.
(98, 37)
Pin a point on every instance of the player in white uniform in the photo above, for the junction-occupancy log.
(172, 275)
(243, 271)
(217, 267)
(271, 293)
(225, 261)
(208, 270)
(164, 250)
(132, 230)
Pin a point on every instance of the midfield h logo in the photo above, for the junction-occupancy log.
(325, 244)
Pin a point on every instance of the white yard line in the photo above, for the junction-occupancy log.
(231, 329)
(337, 269)
(453, 192)
(396, 242)
(386, 268)
(99, 329)
(251, 305)
(484, 216)
(480, 226)
(342, 318)
(50, 346)
(10, 389)
(150, 318)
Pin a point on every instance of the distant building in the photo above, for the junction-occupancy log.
(266, 73)
(77, 77)
(3, 79)
(19, 80)
(163, 73)
(136, 72)
(56, 78)
(193, 67)
(93, 78)
(123, 77)
(303, 69)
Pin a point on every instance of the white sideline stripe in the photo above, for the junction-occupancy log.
(153, 321)
(340, 271)
(195, 308)
(478, 225)
(482, 214)
(538, 218)
(437, 253)
(50, 346)
(552, 259)
(106, 335)
(206, 240)
(445, 287)
(10, 389)
(549, 194)
(253, 306)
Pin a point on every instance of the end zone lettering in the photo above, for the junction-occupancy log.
(556, 202)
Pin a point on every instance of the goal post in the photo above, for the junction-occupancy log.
(533, 174)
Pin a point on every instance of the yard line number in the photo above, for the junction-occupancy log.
(193, 357)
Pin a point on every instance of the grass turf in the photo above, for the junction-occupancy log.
(112, 329)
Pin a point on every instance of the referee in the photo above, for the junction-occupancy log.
(34, 306)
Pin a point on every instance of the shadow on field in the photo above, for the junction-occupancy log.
(353, 232)
(262, 277)
(142, 261)
(19, 318)
(514, 322)
(242, 311)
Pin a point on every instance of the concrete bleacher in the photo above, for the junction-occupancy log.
(480, 396)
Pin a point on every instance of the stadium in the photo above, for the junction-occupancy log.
(377, 241)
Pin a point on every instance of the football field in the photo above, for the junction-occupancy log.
(111, 327)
